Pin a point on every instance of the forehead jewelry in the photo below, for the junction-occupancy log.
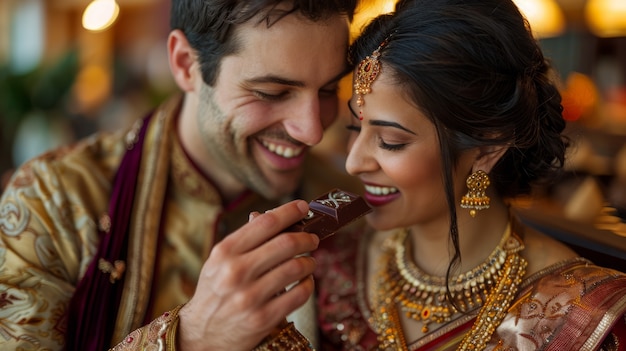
(366, 73)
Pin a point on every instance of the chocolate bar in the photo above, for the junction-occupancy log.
(330, 212)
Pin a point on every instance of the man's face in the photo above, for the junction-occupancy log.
(272, 100)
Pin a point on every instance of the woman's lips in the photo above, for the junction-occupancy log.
(377, 195)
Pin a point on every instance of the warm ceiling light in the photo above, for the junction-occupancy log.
(367, 11)
(100, 14)
(545, 17)
(606, 18)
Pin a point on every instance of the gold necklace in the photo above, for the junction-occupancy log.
(423, 297)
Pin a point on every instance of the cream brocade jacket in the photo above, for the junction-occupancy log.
(49, 217)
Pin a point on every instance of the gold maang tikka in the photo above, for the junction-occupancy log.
(366, 73)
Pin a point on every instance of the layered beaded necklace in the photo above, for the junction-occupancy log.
(401, 285)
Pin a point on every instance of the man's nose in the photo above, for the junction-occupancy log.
(306, 123)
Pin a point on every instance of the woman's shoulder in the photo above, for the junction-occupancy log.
(552, 263)
(542, 251)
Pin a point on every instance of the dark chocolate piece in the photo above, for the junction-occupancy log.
(330, 212)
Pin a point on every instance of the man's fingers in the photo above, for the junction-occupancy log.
(283, 304)
(263, 227)
(276, 280)
(234, 273)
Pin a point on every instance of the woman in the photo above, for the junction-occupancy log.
(455, 114)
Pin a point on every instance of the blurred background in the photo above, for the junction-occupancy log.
(70, 68)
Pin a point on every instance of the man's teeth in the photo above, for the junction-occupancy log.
(380, 190)
(284, 151)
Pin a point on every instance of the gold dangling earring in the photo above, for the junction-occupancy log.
(475, 199)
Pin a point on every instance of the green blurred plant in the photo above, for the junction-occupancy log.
(42, 89)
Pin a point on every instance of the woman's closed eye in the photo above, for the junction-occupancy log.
(381, 142)
(390, 146)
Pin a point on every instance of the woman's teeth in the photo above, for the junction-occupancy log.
(380, 190)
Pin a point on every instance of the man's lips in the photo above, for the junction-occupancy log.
(282, 157)
(283, 150)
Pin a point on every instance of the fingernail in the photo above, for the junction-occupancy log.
(303, 206)
(317, 238)
(252, 215)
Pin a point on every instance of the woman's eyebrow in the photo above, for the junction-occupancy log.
(377, 122)
(381, 123)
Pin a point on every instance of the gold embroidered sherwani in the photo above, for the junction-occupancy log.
(49, 218)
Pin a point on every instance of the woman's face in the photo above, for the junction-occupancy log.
(395, 152)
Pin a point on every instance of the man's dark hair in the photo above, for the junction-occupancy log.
(208, 24)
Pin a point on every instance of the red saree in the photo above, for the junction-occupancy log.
(573, 305)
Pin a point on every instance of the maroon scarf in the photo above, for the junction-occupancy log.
(92, 311)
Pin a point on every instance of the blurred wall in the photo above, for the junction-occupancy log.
(60, 82)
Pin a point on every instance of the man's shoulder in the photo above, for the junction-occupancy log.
(99, 148)
(94, 157)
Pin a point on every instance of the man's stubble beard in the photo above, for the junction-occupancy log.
(221, 144)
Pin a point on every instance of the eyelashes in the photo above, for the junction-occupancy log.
(381, 143)
(391, 147)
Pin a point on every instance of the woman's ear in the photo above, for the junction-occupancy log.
(182, 60)
(488, 156)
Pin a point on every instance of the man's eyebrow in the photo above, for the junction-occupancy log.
(276, 80)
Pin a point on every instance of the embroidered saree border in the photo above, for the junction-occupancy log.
(602, 307)
(608, 320)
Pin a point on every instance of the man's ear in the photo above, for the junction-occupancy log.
(182, 60)
(488, 157)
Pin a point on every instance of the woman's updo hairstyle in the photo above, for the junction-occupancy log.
(474, 68)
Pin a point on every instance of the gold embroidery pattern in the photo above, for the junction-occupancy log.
(14, 218)
(542, 310)
(159, 335)
(104, 223)
(115, 269)
(287, 338)
(133, 134)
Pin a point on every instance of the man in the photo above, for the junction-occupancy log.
(113, 233)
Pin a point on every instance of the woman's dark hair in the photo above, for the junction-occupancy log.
(208, 24)
(475, 70)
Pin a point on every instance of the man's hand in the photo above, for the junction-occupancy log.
(240, 296)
